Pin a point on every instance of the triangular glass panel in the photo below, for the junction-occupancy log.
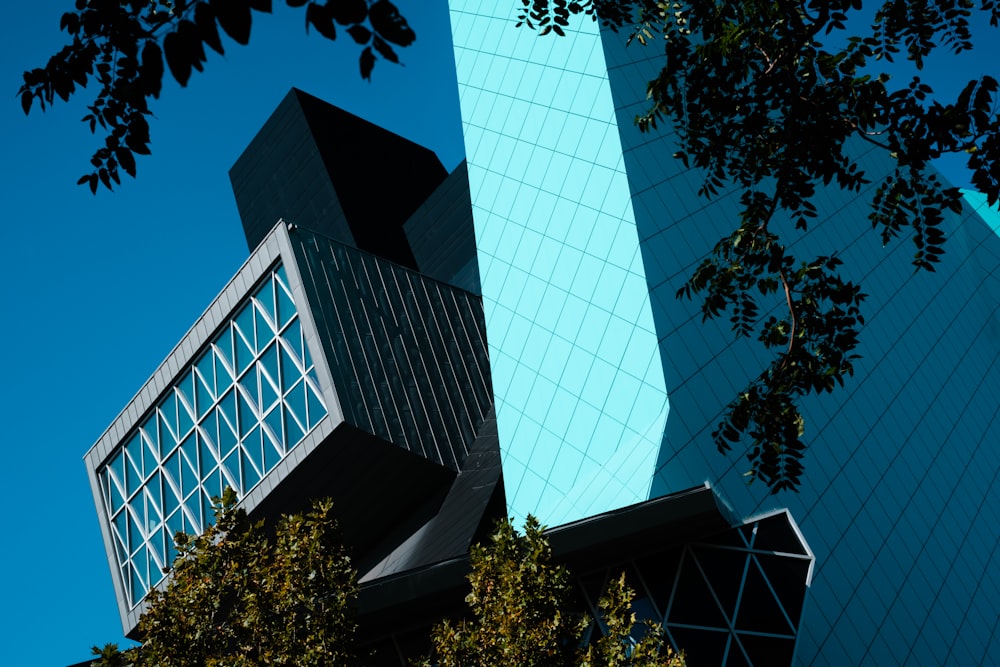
(265, 331)
(223, 367)
(232, 468)
(121, 549)
(167, 411)
(117, 468)
(265, 297)
(173, 468)
(272, 455)
(268, 392)
(116, 495)
(723, 569)
(170, 547)
(759, 611)
(248, 417)
(250, 389)
(154, 502)
(693, 603)
(150, 457)
(135, 534)
(290, 371)
(227, 406)
(208, 453)
(208, 506)
(157, 554)
(193, 519)
(205, 365)
(185, 418)
(244, 325)
(121, 523)
(252, 448)
(274, 425)
(787, 576)
(251, 473)
(171, 500)
(659, 572)
(174, 524)
(189, 467)
(316, 408)
(133, 453)
(152, 438)
(138, 583)
(186, 388)
(286, 308)
(244, 353)
(294, 429)
(227, 437)
(293, 337)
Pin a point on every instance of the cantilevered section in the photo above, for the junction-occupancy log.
(320, 370)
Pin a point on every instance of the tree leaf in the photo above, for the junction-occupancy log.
(204, 18)
(321, 19)
(367, 63)
(234, 17)
(390, 24)
(346, 12)
(360, 34)
(177, 58)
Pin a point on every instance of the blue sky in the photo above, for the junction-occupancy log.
(99, 289)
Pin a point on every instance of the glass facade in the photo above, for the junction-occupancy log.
(586, 229)
(580, 397)
(237, 409)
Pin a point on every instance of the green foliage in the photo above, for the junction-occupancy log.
(239, 598)
(521, 614)
(761, 106)
(122, 44)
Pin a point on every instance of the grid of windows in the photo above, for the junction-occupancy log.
(235, 412)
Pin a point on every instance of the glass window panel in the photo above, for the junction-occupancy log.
(294, 429)
(168, 418)
(135, 536)
(121, 527)
(250, 393)
(192, 513)
(231, 465)
(227, 435)
(154, 500)
(286, 309)
(316, 408)
(269, 363)
(223, 371)
(290, 371)
(121, 550)
(206, 370)
(268, 393)
(265, 331)
(170, 500)
(244, 325)
(186, 387)
(244, 353)
(173, 468)
(206, 502)
(265, 297)
(293, 336)
(296, 403)
(274, 428)
(189, 464)
(133, 471)
(170, 547)
(185, 421)
(138, 583)
(251, 464)
(148, 434)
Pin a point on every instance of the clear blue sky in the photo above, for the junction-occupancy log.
(99, 289)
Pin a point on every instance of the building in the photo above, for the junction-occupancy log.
(346, 358)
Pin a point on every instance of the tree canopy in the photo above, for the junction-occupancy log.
(767, 98)
(522, 614)
(239, 597)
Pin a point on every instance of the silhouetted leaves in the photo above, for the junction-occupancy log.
(123, 45)
(767, 113)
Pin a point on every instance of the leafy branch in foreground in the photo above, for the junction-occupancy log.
(522, 616)
(759, 104)
(122, 45)
(239, 598)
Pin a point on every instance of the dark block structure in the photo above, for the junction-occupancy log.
(318, 166)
